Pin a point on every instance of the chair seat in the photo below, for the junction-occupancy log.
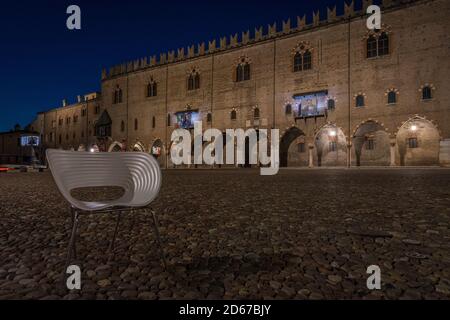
(137, 173)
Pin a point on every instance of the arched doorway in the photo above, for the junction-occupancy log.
(115, 147)
(371, 145)
(293, 149)
(331, 146)
(418, 143)
(138, 147)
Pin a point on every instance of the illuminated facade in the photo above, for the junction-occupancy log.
(339, 93)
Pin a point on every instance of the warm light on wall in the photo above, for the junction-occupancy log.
(413, 128)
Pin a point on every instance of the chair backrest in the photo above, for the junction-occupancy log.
(137, 173)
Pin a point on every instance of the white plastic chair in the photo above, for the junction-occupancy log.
(137, 173)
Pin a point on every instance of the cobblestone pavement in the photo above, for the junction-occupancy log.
(303, 234)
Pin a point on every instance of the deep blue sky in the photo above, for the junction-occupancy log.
(43, 62)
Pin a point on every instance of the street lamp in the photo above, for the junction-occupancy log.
(413, 127)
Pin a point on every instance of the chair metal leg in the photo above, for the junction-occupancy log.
(71, 251)
(158, 238)
(111, 245)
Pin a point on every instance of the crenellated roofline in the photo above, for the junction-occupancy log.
(261, 35)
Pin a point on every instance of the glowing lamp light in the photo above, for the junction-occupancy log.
(413, 127)
(92, 150)
(332, 133)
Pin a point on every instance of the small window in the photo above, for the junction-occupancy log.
(288, 109)
(152, 89)
(298, 62)
(331, 104)
(383, 44)
(412, 143)
(360, 101)
(301, 147)
(97, 110)
(426, 93)
(60, 139)
(60, 121)
(75, 119)
(135, 124)
(122, 126)
(256, 113)
(372, 47)
(153, 122)
(209, 117)
(392, 97)
(83, 112)
(233, 115)
(370, 144)
(169, 120)
(307, 60)
(333, 146)
(117, 97)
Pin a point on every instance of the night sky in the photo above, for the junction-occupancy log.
(42, 62)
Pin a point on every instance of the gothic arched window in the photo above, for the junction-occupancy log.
(302, 58)
(233, 115)
(153, 122)
(122, 126)
(209, 117)
(135, 124)
(377, 44)
(194, 80)
(256, 113)
(152, 89)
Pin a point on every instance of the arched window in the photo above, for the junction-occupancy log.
(302, 60)
(331, 104)
(256, 113)
(360, 100)
(233, 115)
(194, 80)
(209, 117)
(122, 126)
(153, 122)
(288, 109)
(135, 124)
(383, 44)
(191, 82)
(392, 97)
(377, 45)
(197, 81)
(169, 120)
(152, 89)
(426, 93)
(243, 72)
(117, 97)
(298, 62)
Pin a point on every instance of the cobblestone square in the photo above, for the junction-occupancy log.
(233, 234)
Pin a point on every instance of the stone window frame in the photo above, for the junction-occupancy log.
(432, 90)
(193, 75)
(117, 95)
(151, 88)
(355, 97)
(241, 64)
(385, 29)
(234, 112)
(390, 91)
(334, 99)
(301, 49)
